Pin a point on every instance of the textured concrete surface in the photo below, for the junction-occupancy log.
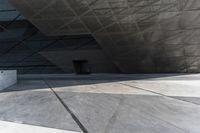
(32, 102)
(162, 103)
(10, 127)
(7, 78)
(98, 62)
(137, 35)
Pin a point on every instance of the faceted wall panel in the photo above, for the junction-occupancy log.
(21, 42)
(138, 35)
(97, 61)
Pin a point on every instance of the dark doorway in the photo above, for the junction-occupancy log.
(81, 67)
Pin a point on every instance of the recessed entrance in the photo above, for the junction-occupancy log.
(81, 67)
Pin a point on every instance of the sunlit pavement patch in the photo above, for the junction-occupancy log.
(10, 127)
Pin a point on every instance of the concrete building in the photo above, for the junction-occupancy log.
(146, 36)
(118, 50)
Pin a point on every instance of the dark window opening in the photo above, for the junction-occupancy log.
(81, 67)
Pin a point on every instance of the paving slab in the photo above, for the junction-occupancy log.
(181, 114)
(95, 86)
(104, 109)
(187, 90)
(32, 102)
(167, 105)
(10, 127)
(169, 88)
(195, 100)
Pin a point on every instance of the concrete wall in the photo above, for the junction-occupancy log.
(137, 35)
(7, 78)
(98, 61)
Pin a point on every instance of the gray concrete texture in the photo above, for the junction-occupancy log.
(36, 105)
(152, 104)
(7, 78)
(137, 35)
(98, 62)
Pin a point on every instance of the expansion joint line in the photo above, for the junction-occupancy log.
(81, 126)
(160, 94)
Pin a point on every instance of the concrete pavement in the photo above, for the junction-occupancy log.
(106, 104)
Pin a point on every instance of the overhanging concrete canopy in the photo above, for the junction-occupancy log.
(138, 35)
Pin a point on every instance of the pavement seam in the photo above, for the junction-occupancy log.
(154, 115)
(139, 88)
(74, 117)
(114, 116)
(184, 130)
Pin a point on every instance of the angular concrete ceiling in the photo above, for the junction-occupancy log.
(138, 35)
(52, 17)
(21, 42)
